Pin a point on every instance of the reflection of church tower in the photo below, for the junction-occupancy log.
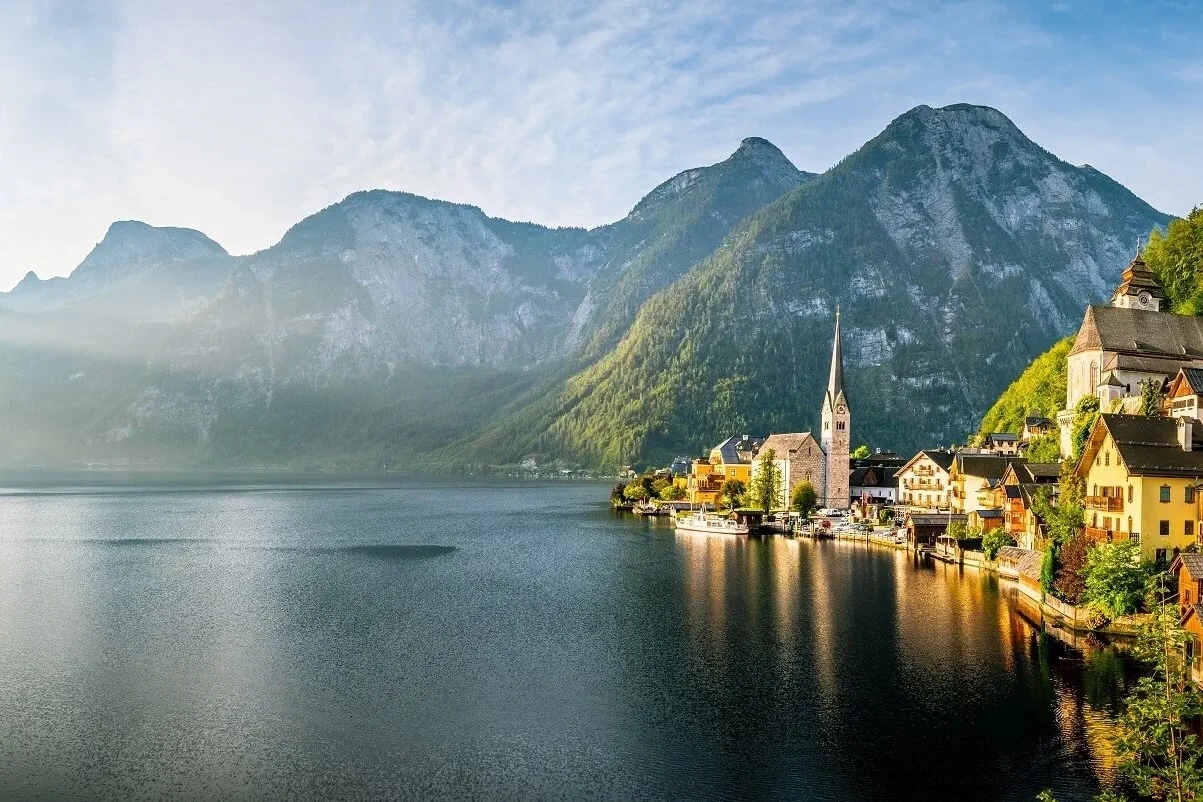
(837, 425)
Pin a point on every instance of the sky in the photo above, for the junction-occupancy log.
(241, 118)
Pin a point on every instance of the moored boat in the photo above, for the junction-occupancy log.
(704, 522)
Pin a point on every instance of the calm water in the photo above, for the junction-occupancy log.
(509, 641)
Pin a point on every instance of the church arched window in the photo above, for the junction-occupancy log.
(1094, 375)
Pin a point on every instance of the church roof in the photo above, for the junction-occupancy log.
(782, 444)
(1140, 333)
(835, 378)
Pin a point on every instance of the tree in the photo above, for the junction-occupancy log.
(616, 494)
(1115, 581)
(805, 499)
(1155, 744)
(1176, 259)
(1086, 412)
(672, 493)
(733, 492)
(660, 485)
(861, 452)
(1045, 448)
(1150, 398)
(994, 540)
(1070, 581)
(1048, 569)
(766, 484)
(636, 491)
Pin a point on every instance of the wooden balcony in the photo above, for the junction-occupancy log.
(1099, 535)
(1105, 503)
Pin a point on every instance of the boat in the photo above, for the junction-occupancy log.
(704, 522)
(647, 508)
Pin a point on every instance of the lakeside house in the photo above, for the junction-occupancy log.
(923, 528)
(974, 478)
(923, 482)
(873, 480)
(1003, 444)
(1035, 425)
(730, 459)
(1141, 478)
(1021, 483)
(1188, 569)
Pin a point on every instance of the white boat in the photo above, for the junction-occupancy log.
(703, 522)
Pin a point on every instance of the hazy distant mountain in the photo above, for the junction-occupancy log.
(390, 328)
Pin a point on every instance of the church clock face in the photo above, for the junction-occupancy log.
(839, 408)
(1143, 299)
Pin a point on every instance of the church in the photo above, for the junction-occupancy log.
(824, 462)
(1123, 345)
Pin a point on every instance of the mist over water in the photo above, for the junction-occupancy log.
(509, 640)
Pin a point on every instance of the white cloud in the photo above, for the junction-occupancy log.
(240, 118)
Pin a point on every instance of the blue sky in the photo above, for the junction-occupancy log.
(241, 118)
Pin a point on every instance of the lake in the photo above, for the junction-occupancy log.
(509, 640)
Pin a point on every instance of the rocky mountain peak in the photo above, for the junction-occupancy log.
(130, 245)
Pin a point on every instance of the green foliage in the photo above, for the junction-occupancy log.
(885, 515)
(861, 452)
(766, 484)
(1115, 581)
(1086, 412)
(1045, 448)
(1041, 387)
(1156, 742)
(673, 493)
(1176, 259)
(1048, 569)
(805, 499)
(617, 494)
(733, 492)
(636, 492)
(659, 486)
(994, 540)
(1150, 398)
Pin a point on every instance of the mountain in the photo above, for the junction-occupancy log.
(390, 331)
(384, 325)
(137, 272)
(957, 248)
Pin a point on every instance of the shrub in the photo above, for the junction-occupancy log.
(994, 540)
(1115, 580)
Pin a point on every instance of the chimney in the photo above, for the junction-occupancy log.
(1185, 433)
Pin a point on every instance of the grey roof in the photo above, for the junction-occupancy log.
(937, 519)
(1038, 471)
(1138, 332)
(990, 467)
(988, 513)
(942, 458)
(835, 379)
(1149, 446)
(1194, 379)
(729, 449)
(782, 444)
(1036, 420)
(1003, 437)
(1193, 563)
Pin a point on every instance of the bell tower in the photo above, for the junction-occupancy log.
(837, 428)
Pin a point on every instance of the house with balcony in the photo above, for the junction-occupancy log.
(1142, 477)
(1002, 443)
(1021, 484)
(1188, 571)
(923, 482)
(975, 479)
(730, 459)
(1035, 425)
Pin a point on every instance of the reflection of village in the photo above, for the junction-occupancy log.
(1141, 462)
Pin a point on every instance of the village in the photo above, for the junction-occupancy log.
(1079, 510)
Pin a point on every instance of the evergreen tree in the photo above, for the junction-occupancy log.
(766, 484)
(1150, 398)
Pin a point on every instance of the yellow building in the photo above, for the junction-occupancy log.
(974, 478)
(1141, 478)
(730, 459)
(923, 484)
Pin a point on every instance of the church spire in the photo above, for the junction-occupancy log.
(835, 380)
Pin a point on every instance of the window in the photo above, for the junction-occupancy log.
(1165, 494)
(1189, 529)
(1160, 555)
(1163, 528)
(1096, 490)
(1134, 537)
(1129, 524)
(1189, 496)
(1129, 497)
(1106, 457)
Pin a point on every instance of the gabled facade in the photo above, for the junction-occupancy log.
(923, 482)
(1021, 484)
(1002, 443)
(730, 459)
(974, 478)
(798, 458)
(1141, 476)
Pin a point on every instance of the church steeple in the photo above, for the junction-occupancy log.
(836, 436)
(835, 378)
